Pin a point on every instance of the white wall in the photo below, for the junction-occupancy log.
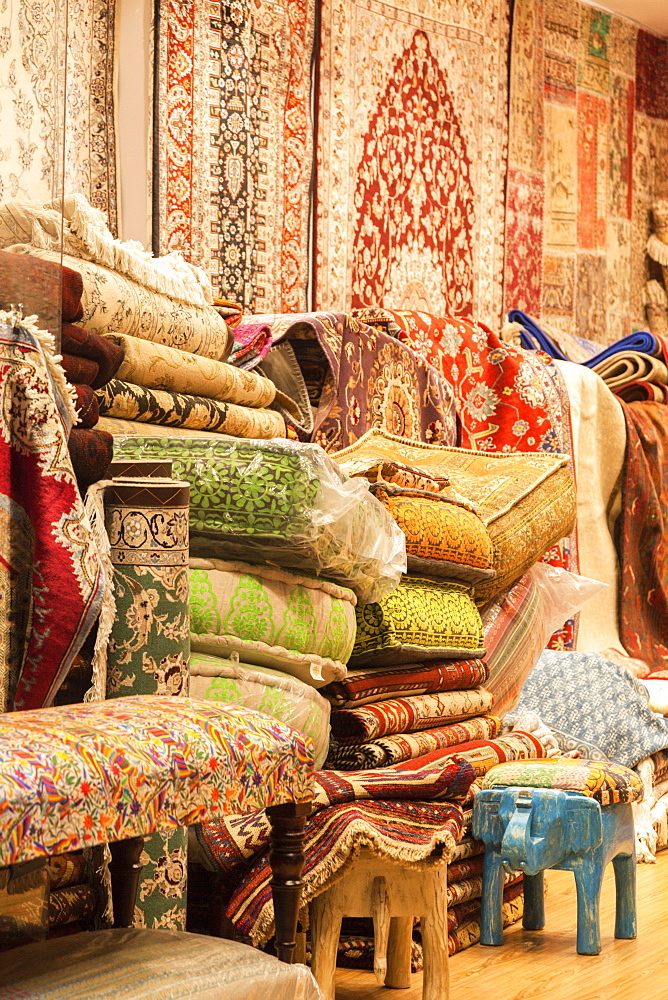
(134, 93)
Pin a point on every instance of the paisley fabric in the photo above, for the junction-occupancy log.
(443, 538)
(155, 366)
(609, 784)
(362, 686)
(359, 378)
(85, 344)
(271, 691)
(404, 715)
(526, 500)
(163, 778)
(421, 619)
(134, 402)
(113, 303)
(301, 625)
(305, 513)
(46, 544)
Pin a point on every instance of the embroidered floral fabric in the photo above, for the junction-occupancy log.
(421, 619)
(609, 784)
(134, 402)
(268, 616)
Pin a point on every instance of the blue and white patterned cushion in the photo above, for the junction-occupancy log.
(593, 705)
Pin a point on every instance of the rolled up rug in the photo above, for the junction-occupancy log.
(86, 406)
(87, 344)
(91, 451)
(79, 371)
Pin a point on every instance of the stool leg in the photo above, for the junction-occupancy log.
(325, 931)
(436, 977)
(534, 902)
(588, 880)
(399, 953)
(625, 889)
(380, 912)
(491, 925)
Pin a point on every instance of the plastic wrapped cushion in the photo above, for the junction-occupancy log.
(277, 694)
(281, 502)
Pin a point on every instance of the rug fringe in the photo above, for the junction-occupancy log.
(657, 250)
(94, 507)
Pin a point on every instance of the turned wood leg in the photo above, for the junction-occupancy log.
(325, 915)
(286, 858)
(434, 925)
(625, 890)
(534, 902)
(125, 870)
(399, 953)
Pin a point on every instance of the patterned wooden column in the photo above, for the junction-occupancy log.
(149, 648)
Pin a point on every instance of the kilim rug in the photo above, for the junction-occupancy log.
(587, 155)
(51, 580)
(412, 127)
(32, 61)
(233, 135)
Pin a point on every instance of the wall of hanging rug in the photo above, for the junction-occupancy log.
(233, 135)
(587, 158)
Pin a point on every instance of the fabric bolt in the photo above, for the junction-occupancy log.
(595, 706)
(643, 535)
(298, 624)
(305, 513)
(586, 159)
(86, 406)
(134, 402)
(91, 451)
(44, 148)
(70, 904)
(233, 124)
(79, 371)
(443, 538)
(526, 500)
(252, 343)
(155, 366)
(85, 344)
(390, 750)
(422, 618)
(609, 784)
(67, 869)
(405, 715)
(362, 686)
(114, 303)
(427, 233)
(272, 691)
(359, 378)
(47, 546)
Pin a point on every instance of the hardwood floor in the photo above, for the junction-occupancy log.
(543, 965)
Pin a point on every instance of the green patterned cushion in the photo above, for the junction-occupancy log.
(280, 502)
(608, 783)
(143, 965)
(421, 620)
(302, 626)
(273, 692)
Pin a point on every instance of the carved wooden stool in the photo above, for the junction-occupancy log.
(392, 895)
(573, 815)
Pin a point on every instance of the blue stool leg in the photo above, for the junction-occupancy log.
(534, 902)
(491, 924)
(625, 886)
(588, 871)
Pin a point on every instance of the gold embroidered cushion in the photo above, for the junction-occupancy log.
(443, 537)
(272, 618)
(421, 620)
(525, 500)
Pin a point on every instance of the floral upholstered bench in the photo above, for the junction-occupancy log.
(116, 771)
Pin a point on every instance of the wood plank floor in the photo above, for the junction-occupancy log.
(543, 965)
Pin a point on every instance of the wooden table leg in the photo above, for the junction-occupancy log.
(287, 860)
(125, 870)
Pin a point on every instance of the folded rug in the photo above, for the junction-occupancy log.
(86, 405)
(156, 366)
(421, 620)
(67, 869)
(643, 535)
(405, 715)
(72, 903)
(533, 337)
(365, 685)
(514, 639)
(133, 428)
(91, 451)
(391, 750)
(471, 888)
(629, 367)
(252, 343)
(79, 371)
(134, 402)
(86, 344)
(642, 392)
(482, 755)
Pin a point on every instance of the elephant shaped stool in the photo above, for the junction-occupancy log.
(574, 815)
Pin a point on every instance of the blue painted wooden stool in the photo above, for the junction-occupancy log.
(574, 815)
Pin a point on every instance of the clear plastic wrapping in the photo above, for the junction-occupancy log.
(283, 503)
